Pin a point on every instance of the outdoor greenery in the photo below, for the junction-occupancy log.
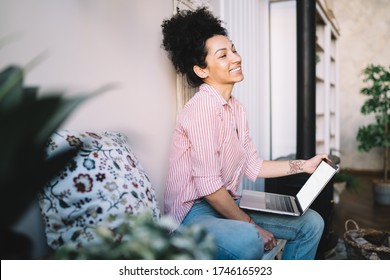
(376, 134)
(141, 238)
(352, 183)
(342, 176)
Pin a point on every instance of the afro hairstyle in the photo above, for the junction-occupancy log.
(184, 38)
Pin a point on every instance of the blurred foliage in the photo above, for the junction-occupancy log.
(27, 120)
(376, 134)
(141, 238)
(352, 183)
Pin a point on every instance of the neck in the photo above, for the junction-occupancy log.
(224, 90)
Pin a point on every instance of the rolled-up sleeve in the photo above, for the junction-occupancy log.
(254, 162)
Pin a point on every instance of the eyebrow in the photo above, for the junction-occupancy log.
(224, 49)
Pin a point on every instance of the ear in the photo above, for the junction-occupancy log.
(200, 72)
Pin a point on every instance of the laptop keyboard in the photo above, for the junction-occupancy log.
(282, 203)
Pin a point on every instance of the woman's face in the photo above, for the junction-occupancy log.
(223, 62)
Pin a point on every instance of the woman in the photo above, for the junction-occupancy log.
(212, 150)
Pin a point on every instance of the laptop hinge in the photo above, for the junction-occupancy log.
(299, 205)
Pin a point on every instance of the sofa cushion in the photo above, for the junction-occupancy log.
(100, 186)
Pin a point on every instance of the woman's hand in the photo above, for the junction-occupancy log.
(222, 202)
(312, 163)
(268, 238)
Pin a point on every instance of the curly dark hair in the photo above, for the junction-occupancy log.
(184, 38)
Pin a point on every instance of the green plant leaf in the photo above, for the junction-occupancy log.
(377, 91)
(53, 117)
(141, 237)
(64, 108)
(11, 87)
(11, 82)
(25, 128)
(21, 185)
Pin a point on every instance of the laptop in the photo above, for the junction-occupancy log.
(287, 204)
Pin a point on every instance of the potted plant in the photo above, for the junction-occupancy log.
(377, 134)
(342, 180)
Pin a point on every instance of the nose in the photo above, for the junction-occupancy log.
(235, 57)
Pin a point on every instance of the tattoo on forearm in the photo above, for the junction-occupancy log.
(295, 166)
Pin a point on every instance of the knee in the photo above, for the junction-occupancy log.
(252, 246)
(248, 245)
(253, 250)
(315, 222)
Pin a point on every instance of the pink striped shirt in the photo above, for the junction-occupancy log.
(211, 149)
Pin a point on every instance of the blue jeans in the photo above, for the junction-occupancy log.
(237, 240)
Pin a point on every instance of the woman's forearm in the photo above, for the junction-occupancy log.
(278, 168)
(224, 204)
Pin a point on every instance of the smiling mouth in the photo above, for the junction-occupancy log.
(236, 69)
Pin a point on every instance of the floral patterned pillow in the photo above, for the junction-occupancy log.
(100, 186)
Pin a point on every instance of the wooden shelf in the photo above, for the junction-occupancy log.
(327, 115)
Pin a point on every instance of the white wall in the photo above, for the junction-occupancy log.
(364, 39)
(283, 67)
(94, 42)
(90, 44)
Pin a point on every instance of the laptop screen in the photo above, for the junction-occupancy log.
(316, 182)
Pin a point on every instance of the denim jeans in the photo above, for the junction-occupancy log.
(237, 240)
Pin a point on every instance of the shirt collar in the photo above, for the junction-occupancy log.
(212, 91)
